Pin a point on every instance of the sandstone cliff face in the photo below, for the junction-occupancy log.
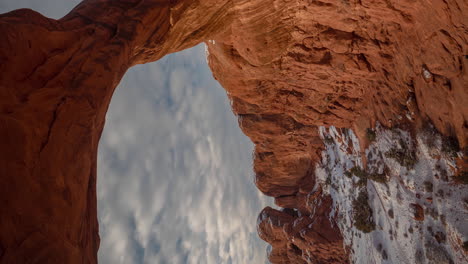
(56, 81)
(288, 66)
(347, 64)
(303, 238)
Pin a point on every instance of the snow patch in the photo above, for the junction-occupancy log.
(410, 172)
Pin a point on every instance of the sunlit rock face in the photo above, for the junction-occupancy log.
(288, 67)
(347, 64)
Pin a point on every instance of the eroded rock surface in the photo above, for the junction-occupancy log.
(288, 66)
(296, 237)
(56, 81)
(347, 64)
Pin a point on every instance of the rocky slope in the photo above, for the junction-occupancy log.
(405, 208)
(288, 67)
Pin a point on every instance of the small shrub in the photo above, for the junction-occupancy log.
(428, 186)
(371, 135)
(440, 237)
(432, 212)
(404, 156)
(465, 245)
(443, 220)
(429, 228)
(348, 174)
(379, 247)
(362, 182)
(440, 193)
(328, 140)
(444, 176)
(364, 176)
(328, 180)
(358, 172)
(450, 145)
(384, 254)
(390, 213)
(363, 219)
(381, 178)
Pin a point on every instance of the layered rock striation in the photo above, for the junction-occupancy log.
(288, 67)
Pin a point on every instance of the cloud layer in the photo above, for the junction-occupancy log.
(175, 175)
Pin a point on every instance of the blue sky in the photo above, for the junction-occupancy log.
(175, 180)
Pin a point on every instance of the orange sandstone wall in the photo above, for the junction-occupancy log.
(342, 63)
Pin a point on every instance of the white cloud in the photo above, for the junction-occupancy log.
(175, 180)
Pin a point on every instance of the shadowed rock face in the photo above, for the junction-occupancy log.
(288, 67)
(57, 78)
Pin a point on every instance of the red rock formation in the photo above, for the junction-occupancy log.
(56, 81)
(302, 238)
(288, 66)
(347, 64)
